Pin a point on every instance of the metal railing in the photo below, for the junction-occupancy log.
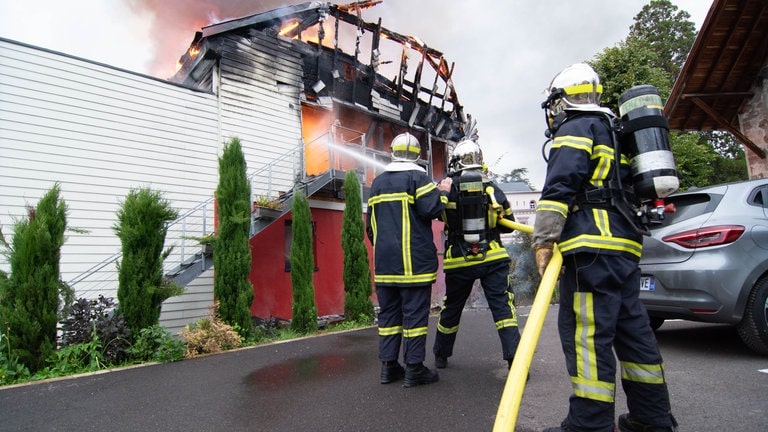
(276, 180)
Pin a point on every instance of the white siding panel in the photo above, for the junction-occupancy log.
(99, 132)
(189, 307)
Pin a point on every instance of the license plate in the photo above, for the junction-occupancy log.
(647, 283)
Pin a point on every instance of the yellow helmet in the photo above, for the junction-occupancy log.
(405, 148)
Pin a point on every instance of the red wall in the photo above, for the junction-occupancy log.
(272, 289)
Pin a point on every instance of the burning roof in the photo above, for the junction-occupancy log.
(346, 60)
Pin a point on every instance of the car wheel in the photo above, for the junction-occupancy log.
(656, 322)
(753, 327)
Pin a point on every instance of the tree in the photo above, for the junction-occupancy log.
(232, 250)
(29, 295)
(141, 227)
(516, 175)
(357, 271)
(304, 318)
(668, 32)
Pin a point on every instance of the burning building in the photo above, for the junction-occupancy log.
(311, 90)
(314, 87)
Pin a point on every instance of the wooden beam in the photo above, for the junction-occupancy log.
(729, 127)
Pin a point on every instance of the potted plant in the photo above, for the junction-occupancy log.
(266, 207)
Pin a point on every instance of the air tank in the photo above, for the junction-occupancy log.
(644, 137)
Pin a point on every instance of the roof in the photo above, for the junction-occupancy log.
(514, 187)
(721, 70)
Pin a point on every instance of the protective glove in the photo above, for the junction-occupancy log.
(543, 256)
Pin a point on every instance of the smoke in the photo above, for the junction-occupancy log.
(174, 23)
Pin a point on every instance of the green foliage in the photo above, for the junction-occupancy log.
(209, 335)
(74, 359)
(99, 316)
(523, 273)
(668, 31)
(694, 160)
(232, 257)
(142, 226)
(155, 343)
(29, 295)
(357, 272)
(11, 369)
(626, 65)
(304, 319)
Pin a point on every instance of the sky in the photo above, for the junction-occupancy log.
(505, 52)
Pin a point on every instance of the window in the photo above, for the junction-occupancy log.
(289, 242)
(532, 205)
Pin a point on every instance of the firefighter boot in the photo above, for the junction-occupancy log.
(416, 374)
(441, 362)
(628, 424)
(391, 371)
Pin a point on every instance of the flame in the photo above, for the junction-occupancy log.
(194, 50)
(288, 28)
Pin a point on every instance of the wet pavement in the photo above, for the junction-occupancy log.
(330, 383)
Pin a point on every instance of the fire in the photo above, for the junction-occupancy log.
(288, 28)
(194, 50)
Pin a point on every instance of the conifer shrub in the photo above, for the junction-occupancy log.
(232, 250)
(357, 273)
(142, 223)
(30, 293)
(304, 317)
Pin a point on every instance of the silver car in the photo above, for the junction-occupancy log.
(708, 261)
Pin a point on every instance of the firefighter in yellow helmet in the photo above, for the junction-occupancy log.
(473, 251)
(403, 202)
(600, 315)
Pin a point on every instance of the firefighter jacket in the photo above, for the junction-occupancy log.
(582, 164)
(403, 202)
(458, 253)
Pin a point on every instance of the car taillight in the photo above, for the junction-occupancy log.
(709, 236)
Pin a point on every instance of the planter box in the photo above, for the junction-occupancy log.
(266, 212)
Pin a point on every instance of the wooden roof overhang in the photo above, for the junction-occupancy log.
(722, 67)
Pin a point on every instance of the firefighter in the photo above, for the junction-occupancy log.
(473, 250)
(600, 314)
(403, 202)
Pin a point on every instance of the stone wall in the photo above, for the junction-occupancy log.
(754, 125)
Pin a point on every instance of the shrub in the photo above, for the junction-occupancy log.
(209, 335)
(304, 318)
(29, 295)
(155, 343)
(357, 273)
(141, 227)
(232, 256)
(99, 315)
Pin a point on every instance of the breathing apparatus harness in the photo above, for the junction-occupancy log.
(642, 134)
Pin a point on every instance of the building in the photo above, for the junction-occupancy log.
(305, 106)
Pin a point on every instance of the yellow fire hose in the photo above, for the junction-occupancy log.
(509, 405)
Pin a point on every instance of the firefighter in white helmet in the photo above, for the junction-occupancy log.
(473, 251)
(403, 202)
(601, 317)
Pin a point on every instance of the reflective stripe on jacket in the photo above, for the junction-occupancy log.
(581, 158)
(401, 208)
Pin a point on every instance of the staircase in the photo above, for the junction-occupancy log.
(189, 259)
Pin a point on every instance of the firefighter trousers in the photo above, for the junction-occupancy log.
(600, 313)
(494, 278)
(403, 320)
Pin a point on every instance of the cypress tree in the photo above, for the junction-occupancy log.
(232, 250)
(304, 318)
(141, 227)
(29, 297)
(357, 273)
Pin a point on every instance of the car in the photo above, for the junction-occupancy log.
(708, 260)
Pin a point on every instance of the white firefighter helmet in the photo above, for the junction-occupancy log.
(577, 88)
(405, 148)
(466, 155)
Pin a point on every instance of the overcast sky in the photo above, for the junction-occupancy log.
(505, 51)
